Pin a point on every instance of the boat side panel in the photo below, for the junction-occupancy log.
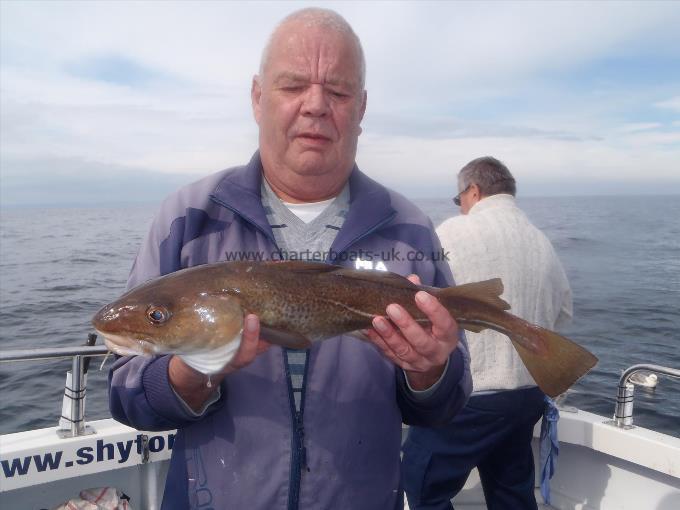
(28, 459)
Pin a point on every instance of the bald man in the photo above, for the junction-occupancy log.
(275, 428)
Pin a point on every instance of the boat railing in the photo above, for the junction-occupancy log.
(623, 411)
(75, 390)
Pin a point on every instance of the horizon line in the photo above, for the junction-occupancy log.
(127, 203)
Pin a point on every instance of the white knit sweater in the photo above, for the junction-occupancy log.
(496, 239)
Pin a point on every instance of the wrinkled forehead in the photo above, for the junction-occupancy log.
(316, 52)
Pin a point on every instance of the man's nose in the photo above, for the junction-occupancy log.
(315, 101)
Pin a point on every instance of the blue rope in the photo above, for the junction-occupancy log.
(549, 446)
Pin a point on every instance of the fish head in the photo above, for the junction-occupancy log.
(178, 313)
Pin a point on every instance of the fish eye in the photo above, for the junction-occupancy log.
(157, 315)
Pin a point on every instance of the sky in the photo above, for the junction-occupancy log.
(105, 102)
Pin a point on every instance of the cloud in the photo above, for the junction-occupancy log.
(428, 167)
(639, 126)
(165, 87)
(475, 52)
(436, 127)
(670, 104)
(115, 69)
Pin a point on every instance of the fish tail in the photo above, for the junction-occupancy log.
(555, 362)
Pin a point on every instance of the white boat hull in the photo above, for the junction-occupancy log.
(599, 467)
(40, 470)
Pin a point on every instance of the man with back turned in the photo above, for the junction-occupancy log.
(492, 238)
(277, 428)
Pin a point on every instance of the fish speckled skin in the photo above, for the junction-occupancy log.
(201, 308)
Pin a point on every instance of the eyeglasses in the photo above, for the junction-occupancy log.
(456, 199)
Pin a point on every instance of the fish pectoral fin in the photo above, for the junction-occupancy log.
(284, 338)
(487, 291)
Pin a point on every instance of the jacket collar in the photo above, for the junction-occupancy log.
(239, 191)
(503, 200)
(370, 207)
(370, 203)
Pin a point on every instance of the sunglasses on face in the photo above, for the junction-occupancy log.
(456, 199)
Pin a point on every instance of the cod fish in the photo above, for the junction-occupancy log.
(203, 307)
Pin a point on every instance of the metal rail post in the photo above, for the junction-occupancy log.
(623, 410)
(77, 407)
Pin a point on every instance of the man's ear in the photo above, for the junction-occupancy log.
(363, 105)
(476, 192)
(362, 110)
(255, 97)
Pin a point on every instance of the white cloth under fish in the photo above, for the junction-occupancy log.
(100, 498)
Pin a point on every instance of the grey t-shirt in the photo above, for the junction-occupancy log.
(298, 240)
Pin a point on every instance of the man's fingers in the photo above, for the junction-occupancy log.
(396, 344)
(409, 345)
(263, 346)
(249, 342)
(443, 324)
(417, 339)
(414, 278)
(379, 342)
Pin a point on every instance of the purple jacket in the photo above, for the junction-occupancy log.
(246, 450)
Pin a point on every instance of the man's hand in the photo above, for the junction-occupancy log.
(421, 352)
(192, 386)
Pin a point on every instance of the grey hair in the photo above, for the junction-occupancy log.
(489, 174)
(316, 17)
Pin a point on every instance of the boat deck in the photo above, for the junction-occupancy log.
(472, 497)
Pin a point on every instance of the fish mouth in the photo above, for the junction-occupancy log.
(126, 346)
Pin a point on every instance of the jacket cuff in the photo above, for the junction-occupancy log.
(162, 397)
(445, 401)
(423, 394)
(444, 387)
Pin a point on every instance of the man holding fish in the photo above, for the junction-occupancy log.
(261, 427)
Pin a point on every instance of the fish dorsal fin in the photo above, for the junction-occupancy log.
(382, 277)
(487, 291)
(300, 266)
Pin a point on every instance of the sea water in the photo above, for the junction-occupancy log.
(621, 254)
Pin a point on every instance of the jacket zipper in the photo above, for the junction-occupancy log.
(298, 460)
